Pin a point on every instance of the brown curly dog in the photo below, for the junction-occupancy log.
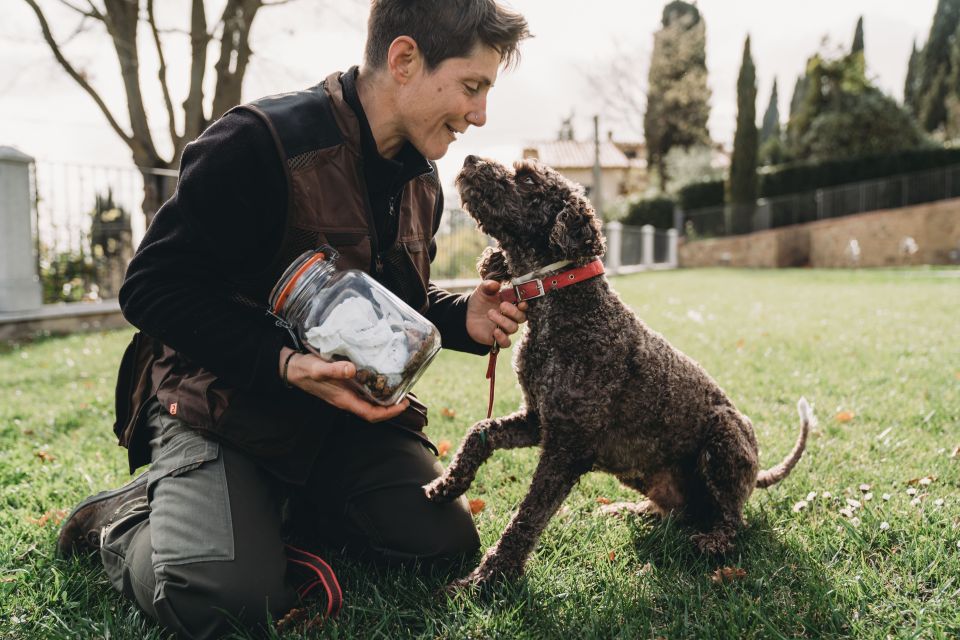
(601, 390)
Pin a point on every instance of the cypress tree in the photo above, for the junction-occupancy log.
(858, 38)
(910, 84)
(934, 69)
(677, 94)
(771, 117)
(742, 187)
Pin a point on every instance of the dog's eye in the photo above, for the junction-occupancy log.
(527, 180)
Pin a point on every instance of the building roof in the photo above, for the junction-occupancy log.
(571, 154)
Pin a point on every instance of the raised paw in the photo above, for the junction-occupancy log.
(443, 490)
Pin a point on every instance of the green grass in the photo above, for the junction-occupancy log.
(883, 345)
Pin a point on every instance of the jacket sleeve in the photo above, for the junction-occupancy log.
(448, 311)
(225, 222)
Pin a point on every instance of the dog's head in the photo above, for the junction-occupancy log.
(538, 216)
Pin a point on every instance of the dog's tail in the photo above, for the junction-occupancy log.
(776, 474)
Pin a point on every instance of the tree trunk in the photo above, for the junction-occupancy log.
(158, 186)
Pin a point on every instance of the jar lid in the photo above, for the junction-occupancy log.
(292, 282)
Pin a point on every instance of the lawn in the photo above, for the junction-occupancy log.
(862, 540)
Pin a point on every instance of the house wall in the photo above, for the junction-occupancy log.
(610, 181)
(934, 227)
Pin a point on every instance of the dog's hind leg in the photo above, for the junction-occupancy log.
(727, 467)
(520, 429)
(552, 481)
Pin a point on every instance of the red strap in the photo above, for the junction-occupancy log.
(492, 375)
(540, 287)
(325, 577)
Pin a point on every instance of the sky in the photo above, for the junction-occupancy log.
(45, 114)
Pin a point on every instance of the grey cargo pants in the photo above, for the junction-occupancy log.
(204, 553)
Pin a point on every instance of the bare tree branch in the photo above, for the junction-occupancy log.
(162, 75)
(122, 18)
(235, 53)
(194, 119)
(77, 76)
(92, 13)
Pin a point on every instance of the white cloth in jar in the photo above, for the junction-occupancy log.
(354, 330)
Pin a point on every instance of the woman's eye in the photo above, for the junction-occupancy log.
(472, 89)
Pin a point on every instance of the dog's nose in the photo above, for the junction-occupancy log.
(470, 160)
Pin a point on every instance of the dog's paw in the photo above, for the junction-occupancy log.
(442, 490)
(644, 508)
(714, 543)
(481, 577)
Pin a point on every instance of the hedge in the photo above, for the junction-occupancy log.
(654, 211)
(805, 177)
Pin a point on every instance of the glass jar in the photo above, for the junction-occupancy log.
(347, 315)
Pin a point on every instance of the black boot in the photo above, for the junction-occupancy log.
(80, 533)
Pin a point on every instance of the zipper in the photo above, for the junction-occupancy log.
(371, 223)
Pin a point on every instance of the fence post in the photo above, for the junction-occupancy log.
(614, 231)
(672, 248)
(19, 283)
(678, 221)
(646, 244)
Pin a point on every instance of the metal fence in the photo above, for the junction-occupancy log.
(88, 219)
(859, 197)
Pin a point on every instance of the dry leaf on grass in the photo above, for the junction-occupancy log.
(612, 556)
(602, 500)
(44, 456)
(727, 574)
(298, 620)
(8, 579)
(54, 515)
(477, 505)
(740, 344)
(443, 447)
(956, 452)
(446, 412)
(845, 416)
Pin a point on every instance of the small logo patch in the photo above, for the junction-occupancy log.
(173, 408)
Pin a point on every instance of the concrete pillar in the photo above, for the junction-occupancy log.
(678, 218)
(672, 247)
(646, 245)
(19, 283)
(614, 233)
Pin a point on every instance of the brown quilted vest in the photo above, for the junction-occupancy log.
(318, 136)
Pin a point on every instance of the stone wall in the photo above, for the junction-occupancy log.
(923, 234)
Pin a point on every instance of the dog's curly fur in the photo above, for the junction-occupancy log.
(601, 391)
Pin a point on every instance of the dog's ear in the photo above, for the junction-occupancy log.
(492, 265)
(576, 231)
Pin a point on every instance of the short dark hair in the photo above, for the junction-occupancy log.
(444, 29)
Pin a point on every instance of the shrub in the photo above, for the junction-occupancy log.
(653, 211)
(698, 195)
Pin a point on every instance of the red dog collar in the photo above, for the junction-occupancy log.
(538, 287)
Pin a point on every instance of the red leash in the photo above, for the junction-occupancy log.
(492, 375)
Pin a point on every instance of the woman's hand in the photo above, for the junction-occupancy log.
(325, 380)
(489, 319)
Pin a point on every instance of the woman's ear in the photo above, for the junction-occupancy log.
(403, 59)
(576, 232)
(493, 265)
